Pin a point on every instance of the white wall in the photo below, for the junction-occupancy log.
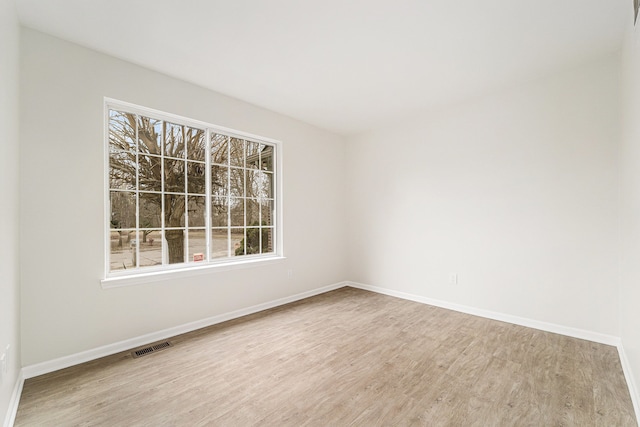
(630, 206)
(9, 265)
(515, 192)
(64, 309)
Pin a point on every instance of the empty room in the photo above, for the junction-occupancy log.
(286, 213)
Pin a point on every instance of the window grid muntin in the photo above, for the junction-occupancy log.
(137, 148)
(228, 195)
(185, 232)
(207, 132)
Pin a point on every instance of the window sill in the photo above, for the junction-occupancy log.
(156, 276)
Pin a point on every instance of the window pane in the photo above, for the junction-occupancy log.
(267, 240)
(197, 246)
(219, 212)
(237, 212)
(150, 173)
(237, 152)
(123, 209)
(150, 248)
(196, 178)
(219, 180)
(250, 245)
(149, 136)
(253, 212)
(266, 210)
(121, 256)
(253, 155)
(266, 158)
(219, 149)
(122, 132)
(174, 175)
(256, 241)
(237, 241)
(150, 210)
(196, 211)
(259, 184)
(175, 246)
(195, 143)
(174, 210)
(122, 170)
(253, 241)
(174, 140)
(237, 182)
(219, 243)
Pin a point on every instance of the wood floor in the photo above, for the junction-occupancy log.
(347, 357)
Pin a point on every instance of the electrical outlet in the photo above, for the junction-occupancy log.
(289, 273)
(453, 278)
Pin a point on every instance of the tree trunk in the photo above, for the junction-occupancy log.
(175, 245)
(174, 215)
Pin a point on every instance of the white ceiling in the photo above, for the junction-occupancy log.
(342, 65)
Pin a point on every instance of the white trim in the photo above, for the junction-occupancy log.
(175, 118)
(278, 203)
(85, 356)
(106, 220)
(12, 410)
(530, 323)
(88, 355)
(628, 376)
(522, 321)
(194, 270)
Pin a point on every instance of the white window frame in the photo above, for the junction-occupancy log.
(171, 271)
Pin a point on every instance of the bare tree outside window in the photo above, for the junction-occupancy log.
(183, 194)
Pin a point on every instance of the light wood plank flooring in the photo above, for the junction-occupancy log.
(347, 357)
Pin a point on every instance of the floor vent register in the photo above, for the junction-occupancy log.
(153, 348)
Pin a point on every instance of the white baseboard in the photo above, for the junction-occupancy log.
(536, 324)
(522, 321)
(10, 417)
(628, 376)
(88, 355)
(85, 356)
(96, 353)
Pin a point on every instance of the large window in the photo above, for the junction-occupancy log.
(183, 193)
